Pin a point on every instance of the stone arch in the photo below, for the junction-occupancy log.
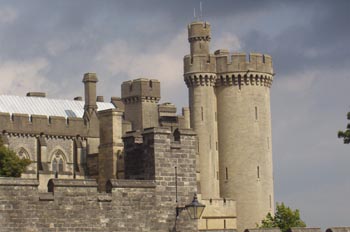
(176, 135)
(23, 153)
(58, 161)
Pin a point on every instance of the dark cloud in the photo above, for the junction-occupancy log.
(55, 42)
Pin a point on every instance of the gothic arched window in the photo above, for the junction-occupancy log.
(58, 161)
(54, 165)
(23, 154)
(60, 165)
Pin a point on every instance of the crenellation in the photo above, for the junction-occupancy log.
(141, 89)
(199, 63)
(238, 63)
(38, 124)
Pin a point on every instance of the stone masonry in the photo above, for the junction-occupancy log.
(127, 205)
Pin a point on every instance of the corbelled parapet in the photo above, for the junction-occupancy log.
(141, 89)
(235, 69)
(199, 31)
(200, 70)
(199, 65)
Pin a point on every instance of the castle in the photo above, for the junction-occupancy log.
(110, 166)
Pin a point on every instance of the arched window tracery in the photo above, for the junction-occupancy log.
(23, 153)
(58, 161)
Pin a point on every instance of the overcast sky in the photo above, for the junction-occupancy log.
(49, 45)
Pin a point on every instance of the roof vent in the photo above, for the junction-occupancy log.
(79, 98)
(36, 94)
(99, 99)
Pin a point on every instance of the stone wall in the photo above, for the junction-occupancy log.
(127, 205)
(76, 205)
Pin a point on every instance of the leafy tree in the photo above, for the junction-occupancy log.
(10, 164)
(284, 218)
(345, 134)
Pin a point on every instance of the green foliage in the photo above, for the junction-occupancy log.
(345, 135)
(285, 218)
(10, 164)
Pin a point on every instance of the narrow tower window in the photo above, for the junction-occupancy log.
(258, 171)
(256, 113)
(270, 202)
(226, 174)
(202, 114)
(216, 145)
(210, 141)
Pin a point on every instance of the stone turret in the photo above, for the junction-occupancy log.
(90, 108)
(229, 98)
(244, 125)
(200, 77)
(140, 97)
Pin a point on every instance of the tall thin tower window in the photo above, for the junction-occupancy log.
(202, 114)
(258, 171)
(226, 174)
(256, 113)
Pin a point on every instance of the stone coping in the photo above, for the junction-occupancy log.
(338, 229)
(263, 230)
(304, 229)
(115, 183)
(88, 183)
(17, 181)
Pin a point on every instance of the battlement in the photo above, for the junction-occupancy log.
(41, 124)
(141, 89)
(198, 31)
(241, 62)
(199, 63)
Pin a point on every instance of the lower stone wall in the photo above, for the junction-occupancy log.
(76, 205)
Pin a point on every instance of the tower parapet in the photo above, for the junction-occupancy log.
(141, 89)
(140, 97)
(257, 62)
(236, 70)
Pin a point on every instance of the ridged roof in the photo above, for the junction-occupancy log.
(46, 106)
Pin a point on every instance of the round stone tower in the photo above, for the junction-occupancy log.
(244, 125)
(200, 77)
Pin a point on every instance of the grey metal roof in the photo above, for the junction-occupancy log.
(46, 106)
